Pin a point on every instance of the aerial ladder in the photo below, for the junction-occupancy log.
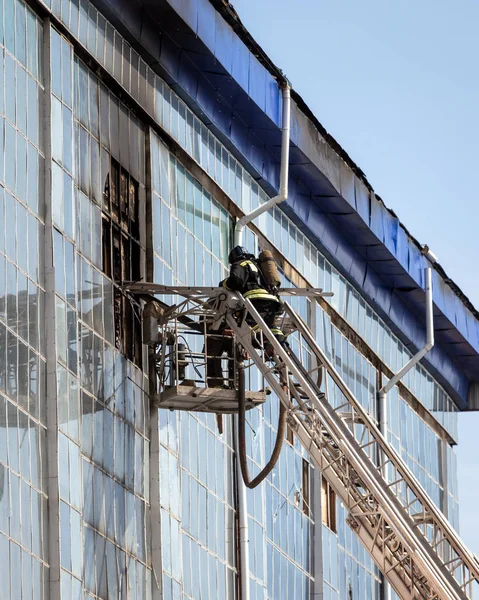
(409, 538)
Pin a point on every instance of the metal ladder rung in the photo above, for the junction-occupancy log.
(351, 417)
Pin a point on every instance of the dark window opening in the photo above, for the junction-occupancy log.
(106, 243)
(122, 254)
(124, 204)
(114, 207)
(328, 505)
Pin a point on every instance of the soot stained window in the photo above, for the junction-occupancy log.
(122, 254)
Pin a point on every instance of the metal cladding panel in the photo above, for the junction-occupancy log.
(204, 94)
(229, 91)
(274, 100)
(358, 269)
(363, 237)
(254, 152)
(188, 76)
(392, 273)
(317, 219)
(240, 63)
(206, 29)
(349, 220)
(376, 222)
(461, 321)
(271, 173)
(379, 292)
(439, 288)
(170, 58)
(348, 185)
(317, 151)
(223, 43)
(450, 302)
(472, 329)
(150, 40)
(205, 63)
(346, 255)
(222, 119)
(188, 11)
(402, 249)
(239, 131)
(296, 159)
(397, 312)
(363, 201)
(391, 226)
(417, 264)
(257, 82)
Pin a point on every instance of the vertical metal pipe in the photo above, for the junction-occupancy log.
(155, 517)
(429, 337)
(242, 519)
(50, 337)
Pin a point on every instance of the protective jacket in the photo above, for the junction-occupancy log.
(245, 278)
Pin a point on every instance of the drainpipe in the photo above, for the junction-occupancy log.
(242, 519)
(238, 241)
(283, 178)
(407, 367)
(416, 358)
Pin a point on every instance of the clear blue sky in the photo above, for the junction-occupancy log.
(396, 83)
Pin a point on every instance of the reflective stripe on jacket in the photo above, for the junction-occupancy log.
(260, 294)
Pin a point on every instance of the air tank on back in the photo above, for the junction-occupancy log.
(269, 268)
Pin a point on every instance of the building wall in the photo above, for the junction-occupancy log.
(97, 404)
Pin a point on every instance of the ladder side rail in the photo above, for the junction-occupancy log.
(394, 510)
(409, 478)
(199, 292)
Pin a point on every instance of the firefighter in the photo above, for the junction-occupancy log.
(247, 278)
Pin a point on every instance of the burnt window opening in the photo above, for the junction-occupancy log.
(122, 254)
(328, 505)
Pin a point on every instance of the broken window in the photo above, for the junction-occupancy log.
(328, 505)
(122, 254)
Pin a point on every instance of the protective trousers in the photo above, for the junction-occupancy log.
(269, 310)
(217, 345)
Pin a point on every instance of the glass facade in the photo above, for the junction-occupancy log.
(108, 170)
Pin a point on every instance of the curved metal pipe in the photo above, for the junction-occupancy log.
(252, 483)
(284, 172)
(415, 359)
